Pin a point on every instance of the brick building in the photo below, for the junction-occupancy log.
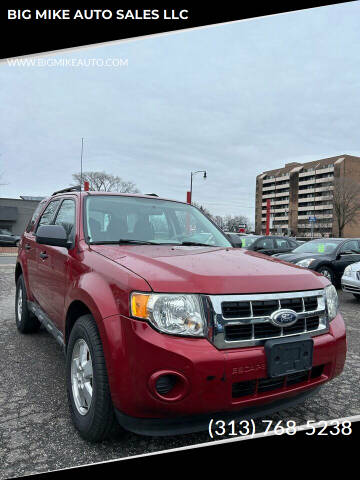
(299, 191)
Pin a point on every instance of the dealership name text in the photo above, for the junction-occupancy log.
(99, 14)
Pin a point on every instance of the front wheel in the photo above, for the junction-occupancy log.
(328, 273)
(357, 296)
(87, 383)
(26, 321)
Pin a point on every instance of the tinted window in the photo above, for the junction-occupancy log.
(282, 243)
(265, 243)
(352, 246)
(66, 218)
(48, 215)
(247, 241)
(318, 246)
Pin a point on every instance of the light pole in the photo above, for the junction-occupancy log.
(191, 180)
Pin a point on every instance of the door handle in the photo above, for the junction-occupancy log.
(27, 246)
(43, 255)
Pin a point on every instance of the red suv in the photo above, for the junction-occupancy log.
(164, 324)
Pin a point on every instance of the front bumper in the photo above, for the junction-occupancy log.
(161, 427)
(136, 352)
(350, 284)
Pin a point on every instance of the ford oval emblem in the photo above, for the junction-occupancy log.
(284, 318)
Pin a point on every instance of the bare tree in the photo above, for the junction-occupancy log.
(204, 210)
(346, 202)
(231, 223)
(105, 182)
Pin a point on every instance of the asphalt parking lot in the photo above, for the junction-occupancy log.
(36, 433)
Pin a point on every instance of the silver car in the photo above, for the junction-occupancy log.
(350, 281)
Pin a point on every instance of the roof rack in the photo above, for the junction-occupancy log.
(151, 194)
(77, 188)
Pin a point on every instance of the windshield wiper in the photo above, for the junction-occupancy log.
(195, 244)
(123, 241)
(136, 242)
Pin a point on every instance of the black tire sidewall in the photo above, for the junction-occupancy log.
(20, 283)
(83, 422)
(93, 425)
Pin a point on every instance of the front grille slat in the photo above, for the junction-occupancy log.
(263, 385)
(254, 322)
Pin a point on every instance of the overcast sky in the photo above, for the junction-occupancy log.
(235, 100)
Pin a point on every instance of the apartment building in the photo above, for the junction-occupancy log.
(301, 192)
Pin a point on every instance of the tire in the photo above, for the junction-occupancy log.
(17, 243)
(89, 397)
(26, 321)
(357, 296)
(327, 272)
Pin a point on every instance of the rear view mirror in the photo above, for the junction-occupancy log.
(54, 235)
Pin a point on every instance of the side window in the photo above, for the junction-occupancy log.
(265, 243)
(66, 217)
(352, 246)
(48, 215)
(281, 243)
(35, 216)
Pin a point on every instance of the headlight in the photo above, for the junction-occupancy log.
(178, 314)
(305, 263)
(348, 271)
(332, 302)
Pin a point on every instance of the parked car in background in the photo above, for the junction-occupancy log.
(350, 281)
(269, 244)
(8, 239)
(329, 256)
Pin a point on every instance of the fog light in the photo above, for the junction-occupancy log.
(168, 385)
(165, 384)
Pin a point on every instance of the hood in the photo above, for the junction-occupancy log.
(296, 257)
(210, 270)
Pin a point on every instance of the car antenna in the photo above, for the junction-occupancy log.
(81, 162)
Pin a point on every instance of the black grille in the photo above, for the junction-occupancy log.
(263, 330)
(312, 323)
(311, 303)
(241, 389)
(236, 309)
(235, 333)
(238, 332)
(298, 327)
(251, 387)
(263, 308)
(267, 384)
(295, 304)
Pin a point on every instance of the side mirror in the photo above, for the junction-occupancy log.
(54, 235)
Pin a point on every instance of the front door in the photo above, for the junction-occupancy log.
(54, 265)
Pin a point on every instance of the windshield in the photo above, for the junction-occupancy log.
(323, 246)
(121, 219)
(247, 241)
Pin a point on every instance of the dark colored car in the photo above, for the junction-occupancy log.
(329, 256)
(8, 239)
(269, 244)
(164, 325)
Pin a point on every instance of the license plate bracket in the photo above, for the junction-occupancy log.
(285, 356)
